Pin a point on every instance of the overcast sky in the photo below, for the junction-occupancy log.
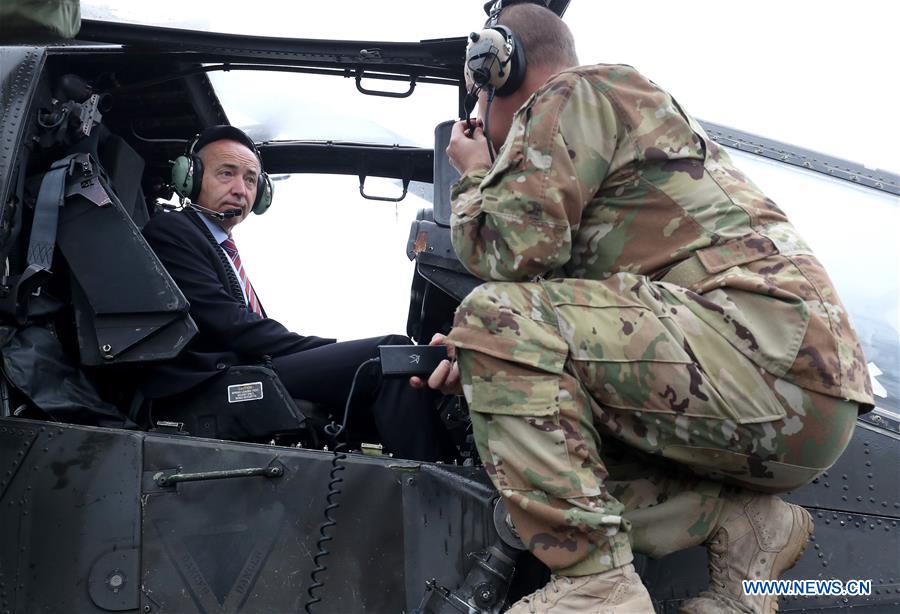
(821, 75)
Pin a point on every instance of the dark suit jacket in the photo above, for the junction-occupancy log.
(229, 333)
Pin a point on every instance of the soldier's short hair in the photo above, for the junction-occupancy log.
(546, 39)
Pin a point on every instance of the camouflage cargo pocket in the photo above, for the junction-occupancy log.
(517, 420)
(738, 382)
(628, 346)
(626, 352)
(767, 330)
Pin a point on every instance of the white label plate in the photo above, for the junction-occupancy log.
(239, 393)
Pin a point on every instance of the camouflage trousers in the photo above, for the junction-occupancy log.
(611, 419)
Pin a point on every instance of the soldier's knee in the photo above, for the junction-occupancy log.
(490, 297)
(485, 298)
(513, 322)
(478, 308)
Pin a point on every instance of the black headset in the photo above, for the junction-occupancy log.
(187, 170)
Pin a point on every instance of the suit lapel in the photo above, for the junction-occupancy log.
(217, 258)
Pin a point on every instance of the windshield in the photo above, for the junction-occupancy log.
(323, 108)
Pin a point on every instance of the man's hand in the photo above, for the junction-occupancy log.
(468, 148)
(445, 376)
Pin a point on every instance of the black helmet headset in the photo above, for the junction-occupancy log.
(187, 170)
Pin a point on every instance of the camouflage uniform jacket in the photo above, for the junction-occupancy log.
(602, 172)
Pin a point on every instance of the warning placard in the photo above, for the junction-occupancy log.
(238, 393)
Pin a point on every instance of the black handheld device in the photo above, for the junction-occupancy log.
(406, 360)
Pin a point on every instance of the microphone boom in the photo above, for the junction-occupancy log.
(219, 215)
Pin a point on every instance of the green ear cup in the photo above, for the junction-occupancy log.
(182, 177)
(264, 192)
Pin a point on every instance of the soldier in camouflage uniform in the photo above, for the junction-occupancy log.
(656, 346)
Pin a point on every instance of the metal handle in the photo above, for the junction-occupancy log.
(272, 471)
(390, 199)
(386, 94)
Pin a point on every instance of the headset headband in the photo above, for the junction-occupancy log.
(224, 132)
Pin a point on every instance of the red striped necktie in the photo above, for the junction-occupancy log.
(252, 301)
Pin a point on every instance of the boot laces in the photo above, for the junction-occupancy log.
(718, 575)
(717, 564)
(552, 585)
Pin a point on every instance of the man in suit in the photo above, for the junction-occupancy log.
(198, 251)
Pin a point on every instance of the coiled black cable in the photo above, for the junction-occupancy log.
(334, 431)
(233, 284)
(334, 490)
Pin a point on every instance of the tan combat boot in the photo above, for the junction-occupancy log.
(757, 537)
(617, 591)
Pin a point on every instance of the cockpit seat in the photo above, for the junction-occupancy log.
(127, 311)
(245, 403)
(125, 168)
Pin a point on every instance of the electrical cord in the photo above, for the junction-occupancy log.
(334, 431)
(233, 283)
(491, 90)
(469, 104)
(334, 490)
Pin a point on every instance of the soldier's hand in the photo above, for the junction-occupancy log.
(468, 147)
(445, 376)
(471, 125)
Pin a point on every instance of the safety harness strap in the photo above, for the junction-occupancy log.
(46, 213)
